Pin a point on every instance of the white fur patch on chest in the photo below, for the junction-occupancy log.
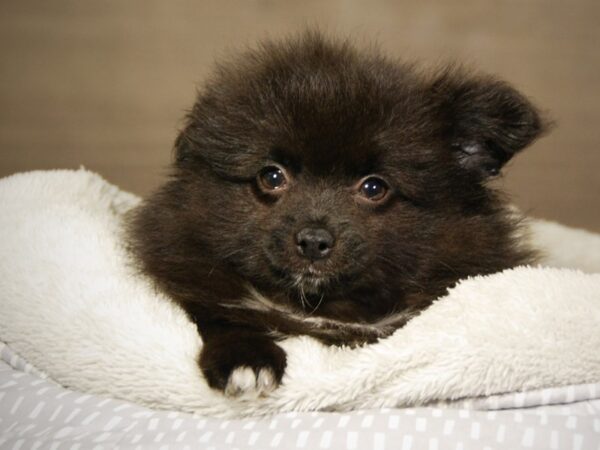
(256, 301)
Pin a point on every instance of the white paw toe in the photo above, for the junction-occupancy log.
(244, 382)
(266, 380)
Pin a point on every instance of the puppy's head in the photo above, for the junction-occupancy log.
(308, 165)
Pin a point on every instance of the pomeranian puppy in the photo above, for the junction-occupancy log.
(326, 191)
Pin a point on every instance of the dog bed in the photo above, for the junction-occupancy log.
(37, 413)
(72, 306)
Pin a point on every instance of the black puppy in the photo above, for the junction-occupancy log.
(325, 191)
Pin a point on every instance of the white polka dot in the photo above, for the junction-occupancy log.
(475, 430)
(72, 415)
(436, 412)
(42, 391)
(112, 423)
(318, 423)
(56, 413)
(421, 424)
(121, 407)
(351, 440)
(394, 422)
(181, 436)
(25, 430)
(501, 433)
(448, 427)
(528, 437)
(571, 422)
(16, 405)
(103, 402)
(249, 425)
(82, 399)
(253, 438)
(343, 421)
(379, 441)
(276, 440)
(433, 444)
(326, 440)
(37, 410)
(206, 437)
(302, 438)
(367, 421)
(63, 432)
(102, 437)
(407, 442)
(89, 419)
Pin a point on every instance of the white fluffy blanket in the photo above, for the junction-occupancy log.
(72, 306)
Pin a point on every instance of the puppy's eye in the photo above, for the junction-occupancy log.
(373, 188)
(272, 178)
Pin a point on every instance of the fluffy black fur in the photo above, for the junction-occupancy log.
(334, 125)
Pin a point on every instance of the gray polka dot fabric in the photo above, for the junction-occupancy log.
(36, 413)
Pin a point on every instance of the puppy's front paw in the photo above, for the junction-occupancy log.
(247, 368)
(244, 381)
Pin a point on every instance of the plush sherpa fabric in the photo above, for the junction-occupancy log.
(72, 305)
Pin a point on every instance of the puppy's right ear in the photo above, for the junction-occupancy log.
(485, 120)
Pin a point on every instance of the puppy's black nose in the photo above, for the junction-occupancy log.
(314, 243)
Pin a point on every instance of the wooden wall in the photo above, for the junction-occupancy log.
(104, 84)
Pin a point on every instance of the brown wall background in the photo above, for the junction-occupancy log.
(104, 84)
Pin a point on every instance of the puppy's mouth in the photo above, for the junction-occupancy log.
(306, 280)
(311, 280)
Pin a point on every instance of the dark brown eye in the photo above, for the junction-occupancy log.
(373, 188)
(272, 178)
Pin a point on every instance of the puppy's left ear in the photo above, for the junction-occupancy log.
(485, 121)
